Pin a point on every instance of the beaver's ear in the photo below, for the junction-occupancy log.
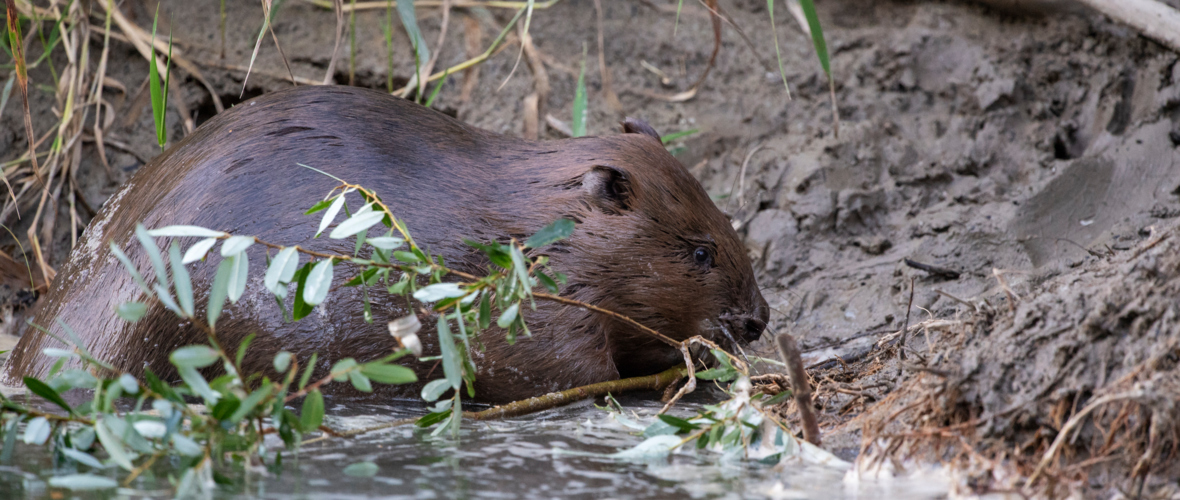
(637, 126)
(608, 188)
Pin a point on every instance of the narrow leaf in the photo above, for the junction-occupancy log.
(219, 291)
(239, 268)
(198, 250)
(235, 245)
(182, 231)
(313, 411)
(180, 280)
(356, 224)
(560, 229)
(193, 356)
(330, 215)
(41, 389)
(131, 311)
(319, 280)
(282, 268)
(113, 446)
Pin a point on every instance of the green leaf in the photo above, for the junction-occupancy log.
(198, 250)
(252, 401)
(722, 374)
(129, 384)
(679, 423)
(75, 379)
(432, 418)
(313, 411)
(485, 311)
(388, 374)
(219, 291)
(386, 242)
(341, 369)
(238, 275)
(83, 482)
(225, 408)
(37, 431)
(362, 469)
(165, 298)
(41, 389)
(667, 139)
(320, 205)
(452, 367)
(282, 361)
(242, 346)
(439, 291)
(180, 279)
(405, 10)
(282, 269)
(82, 458)
(578, 124)
(235, 245)
(194, 356)
(130, 268)
(359, 222)
(560, 229)
(435, 389)
(407, 257)
(301, 309)
(131, 311)
(360, 381)
(547, 282)
(113, 446)
(198, 384)
(307, 371)
(778, 398)
(330, 215)
(153, 252)
(186, 446)
(183, 231)
(319, 280)
(508, 316)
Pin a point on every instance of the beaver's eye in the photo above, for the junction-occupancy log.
(703, 257)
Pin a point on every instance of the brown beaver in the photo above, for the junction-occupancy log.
(649, 243)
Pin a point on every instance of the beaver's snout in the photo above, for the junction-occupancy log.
(748, 324)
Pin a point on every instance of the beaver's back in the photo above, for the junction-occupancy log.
(241, 173)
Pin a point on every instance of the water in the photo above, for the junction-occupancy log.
(553, 454)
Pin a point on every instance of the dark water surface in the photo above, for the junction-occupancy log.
(549, 455)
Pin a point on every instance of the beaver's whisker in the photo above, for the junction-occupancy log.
(732, 341)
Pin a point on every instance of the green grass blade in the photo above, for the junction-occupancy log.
(405, 10)
(817, 34)
(154, 84)
(777, 53)
(578, 125)
(389, 45)
(437, 87)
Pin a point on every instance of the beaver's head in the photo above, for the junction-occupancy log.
(650, 244)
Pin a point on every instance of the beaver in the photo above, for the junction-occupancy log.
(648, 243)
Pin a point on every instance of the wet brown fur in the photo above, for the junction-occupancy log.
(640, 217)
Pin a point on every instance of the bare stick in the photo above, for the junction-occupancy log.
(800, 388)
(655, 382)
(1150, 18)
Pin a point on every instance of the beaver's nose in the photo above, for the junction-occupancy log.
(754, 328)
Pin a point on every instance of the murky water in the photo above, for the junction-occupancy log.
(558, 453)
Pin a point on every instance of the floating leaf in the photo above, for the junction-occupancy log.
(359, 222)
(650, 448)
(362, 469)
(560, 229)
(235, 245)
(439, 291)
(330, 215)
(83, 482)
(282, 269)
(313, 411)
(319, 280)
(181, 281)
(182, 231)
(194, 356)
(198, 250)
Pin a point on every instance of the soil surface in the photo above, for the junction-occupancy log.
(1030, 158)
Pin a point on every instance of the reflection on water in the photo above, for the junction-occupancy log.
(542, 456)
